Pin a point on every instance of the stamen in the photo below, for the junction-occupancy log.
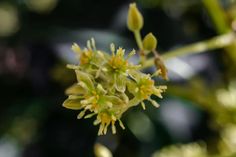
(93, 43)
(154, 103)
(113, 117)
(74, 67)
(113, 127)
(89, 115)
(75, 47)
(105, 128)
(120, 52)
(101, 127)
(143, 105)
(89, 45)
(121, 124)
(88, 107)
(112, 47)
(96, 122)
(162, 87)
(157, 92)
(131, 54)
(81, 114)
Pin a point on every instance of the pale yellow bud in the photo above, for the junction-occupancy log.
(135, 18)
(149, 42)
(101, 151)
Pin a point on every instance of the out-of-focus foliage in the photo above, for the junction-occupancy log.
(42, 6)
(101, 151)
(189, 150)
(9, 19)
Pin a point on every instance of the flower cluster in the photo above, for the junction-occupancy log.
(108, 85)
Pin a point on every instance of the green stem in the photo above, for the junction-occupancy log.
(139, 42)
(217, 15)
(220, 41)
(138, 39)
(221, 23)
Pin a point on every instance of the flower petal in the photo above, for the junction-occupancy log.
(75, 90)
(135, 75)
(132, 87)
(120, 83)
(114, 99)
(84, 77)
(73, 104)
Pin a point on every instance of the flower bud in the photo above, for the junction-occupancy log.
(101, 151)
(149, 42)
(135, 18)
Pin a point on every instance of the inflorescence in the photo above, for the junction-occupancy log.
(108, 85)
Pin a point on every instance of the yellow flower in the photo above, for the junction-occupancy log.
(143, 87)
(118, 63)
(108, 85)
(105, 121)
(86, 57)
(118, 67)
(101, 90)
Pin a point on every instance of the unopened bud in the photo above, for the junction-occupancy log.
(101, 151)
(135, 18)
(149, 42)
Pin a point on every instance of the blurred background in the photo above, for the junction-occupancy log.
(197, 114)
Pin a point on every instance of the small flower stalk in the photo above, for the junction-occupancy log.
(146, 45)
(108, 84)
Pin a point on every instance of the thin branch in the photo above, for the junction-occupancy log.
(217, 42)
